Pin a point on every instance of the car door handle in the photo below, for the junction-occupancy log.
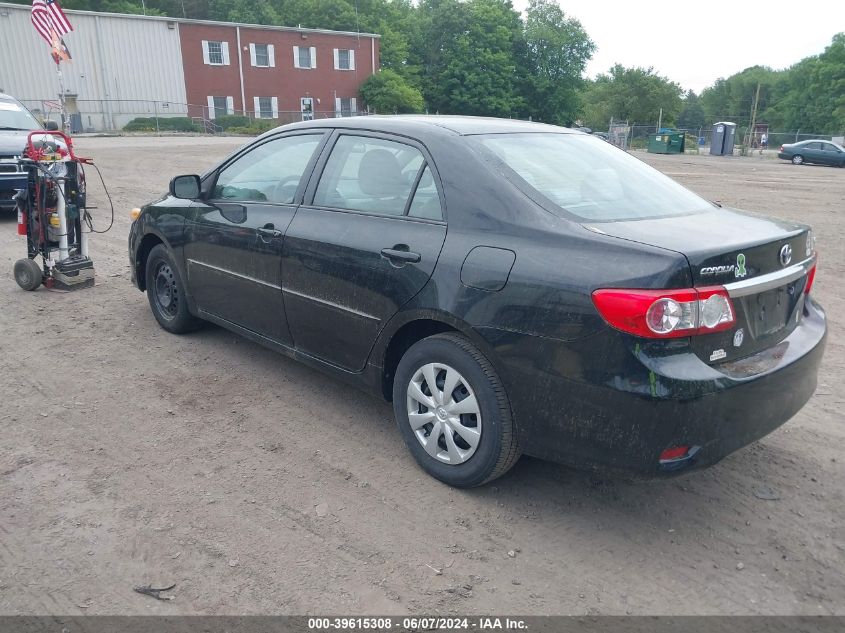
(267, 231)
(398, 255)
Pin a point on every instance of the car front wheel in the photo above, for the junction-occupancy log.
(453, 412)
(166, 293)
(798, 159)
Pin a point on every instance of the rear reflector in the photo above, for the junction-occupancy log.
(666, 313)
(811, 277)
(674, 453)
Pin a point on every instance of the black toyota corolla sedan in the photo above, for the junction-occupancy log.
(513, 288)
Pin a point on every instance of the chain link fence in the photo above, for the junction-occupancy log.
(116, 115)
(698, 139)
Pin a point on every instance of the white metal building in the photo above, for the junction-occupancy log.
(123, 66)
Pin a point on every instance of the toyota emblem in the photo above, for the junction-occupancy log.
(785, 255)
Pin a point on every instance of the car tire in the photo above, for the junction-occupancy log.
(28, 274)
(797, 159)
(166, 293)
(484, 419)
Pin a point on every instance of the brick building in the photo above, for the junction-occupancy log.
(268, 71)
(129, 66)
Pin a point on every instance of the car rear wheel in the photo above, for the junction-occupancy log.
(166, 293)
(453, 412)
(797, 159)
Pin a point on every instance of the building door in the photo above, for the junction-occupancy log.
(306, 106)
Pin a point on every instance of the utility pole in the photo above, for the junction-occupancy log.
(753, 116)
(659, 120)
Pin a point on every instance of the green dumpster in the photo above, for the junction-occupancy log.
(666, 143)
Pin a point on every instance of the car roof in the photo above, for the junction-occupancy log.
(432, 124)
(5, 97)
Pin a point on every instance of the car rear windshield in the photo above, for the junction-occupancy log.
(589, 178)
(16, 117)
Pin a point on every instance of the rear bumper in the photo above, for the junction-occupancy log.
(589, 405)
(784, 156)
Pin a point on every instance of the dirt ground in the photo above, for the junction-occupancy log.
(130, 456)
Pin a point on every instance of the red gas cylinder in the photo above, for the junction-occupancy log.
(21, 222)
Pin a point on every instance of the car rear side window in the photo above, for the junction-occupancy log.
(268, 173)
(426, 202)
(588, 177)
(367, 174)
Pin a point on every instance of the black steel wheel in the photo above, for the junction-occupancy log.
(28, 274)
(166, 293)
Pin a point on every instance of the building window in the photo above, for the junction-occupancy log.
(262, 55)
(304, 57)
(344, 59)
(266, 107)
(345, 106)
(215, 53)
(220, 106)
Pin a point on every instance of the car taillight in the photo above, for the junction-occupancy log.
(811, 277)
(781, 148)
(666, 313)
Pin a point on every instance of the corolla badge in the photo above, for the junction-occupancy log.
(740, 266)
(785, 255)
(738, 269)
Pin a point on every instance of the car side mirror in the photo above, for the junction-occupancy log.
(51, 126)
(185, 187)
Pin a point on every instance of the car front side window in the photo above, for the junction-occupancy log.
(269, 173)
(366, 174)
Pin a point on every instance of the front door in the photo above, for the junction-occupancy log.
(831, 154)
(234, 242)
(364, 246)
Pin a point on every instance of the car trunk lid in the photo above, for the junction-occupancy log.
(763, 263)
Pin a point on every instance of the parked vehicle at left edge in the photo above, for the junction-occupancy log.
(16, 122)
(815, 151)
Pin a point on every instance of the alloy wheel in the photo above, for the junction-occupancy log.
(444, 413)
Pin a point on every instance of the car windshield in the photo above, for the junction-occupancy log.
(589, 178)
(15, 117)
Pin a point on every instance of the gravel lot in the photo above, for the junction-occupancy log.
(129, 456)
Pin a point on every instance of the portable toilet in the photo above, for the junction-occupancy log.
(724, 135)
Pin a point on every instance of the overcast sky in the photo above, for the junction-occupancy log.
(685, 41)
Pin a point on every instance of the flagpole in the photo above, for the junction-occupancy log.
(65, 122)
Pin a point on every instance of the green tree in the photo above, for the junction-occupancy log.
(388, 93)
(811, 94)
(732, 99)
(632, 94)
(692, 113)
(466, 53)
(558, 49)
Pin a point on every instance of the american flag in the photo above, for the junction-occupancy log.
(49, 20)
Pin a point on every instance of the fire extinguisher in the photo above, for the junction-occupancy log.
(21, 222)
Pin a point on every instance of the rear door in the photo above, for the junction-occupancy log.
(364, 244)
(813, 153)
(233, 247)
